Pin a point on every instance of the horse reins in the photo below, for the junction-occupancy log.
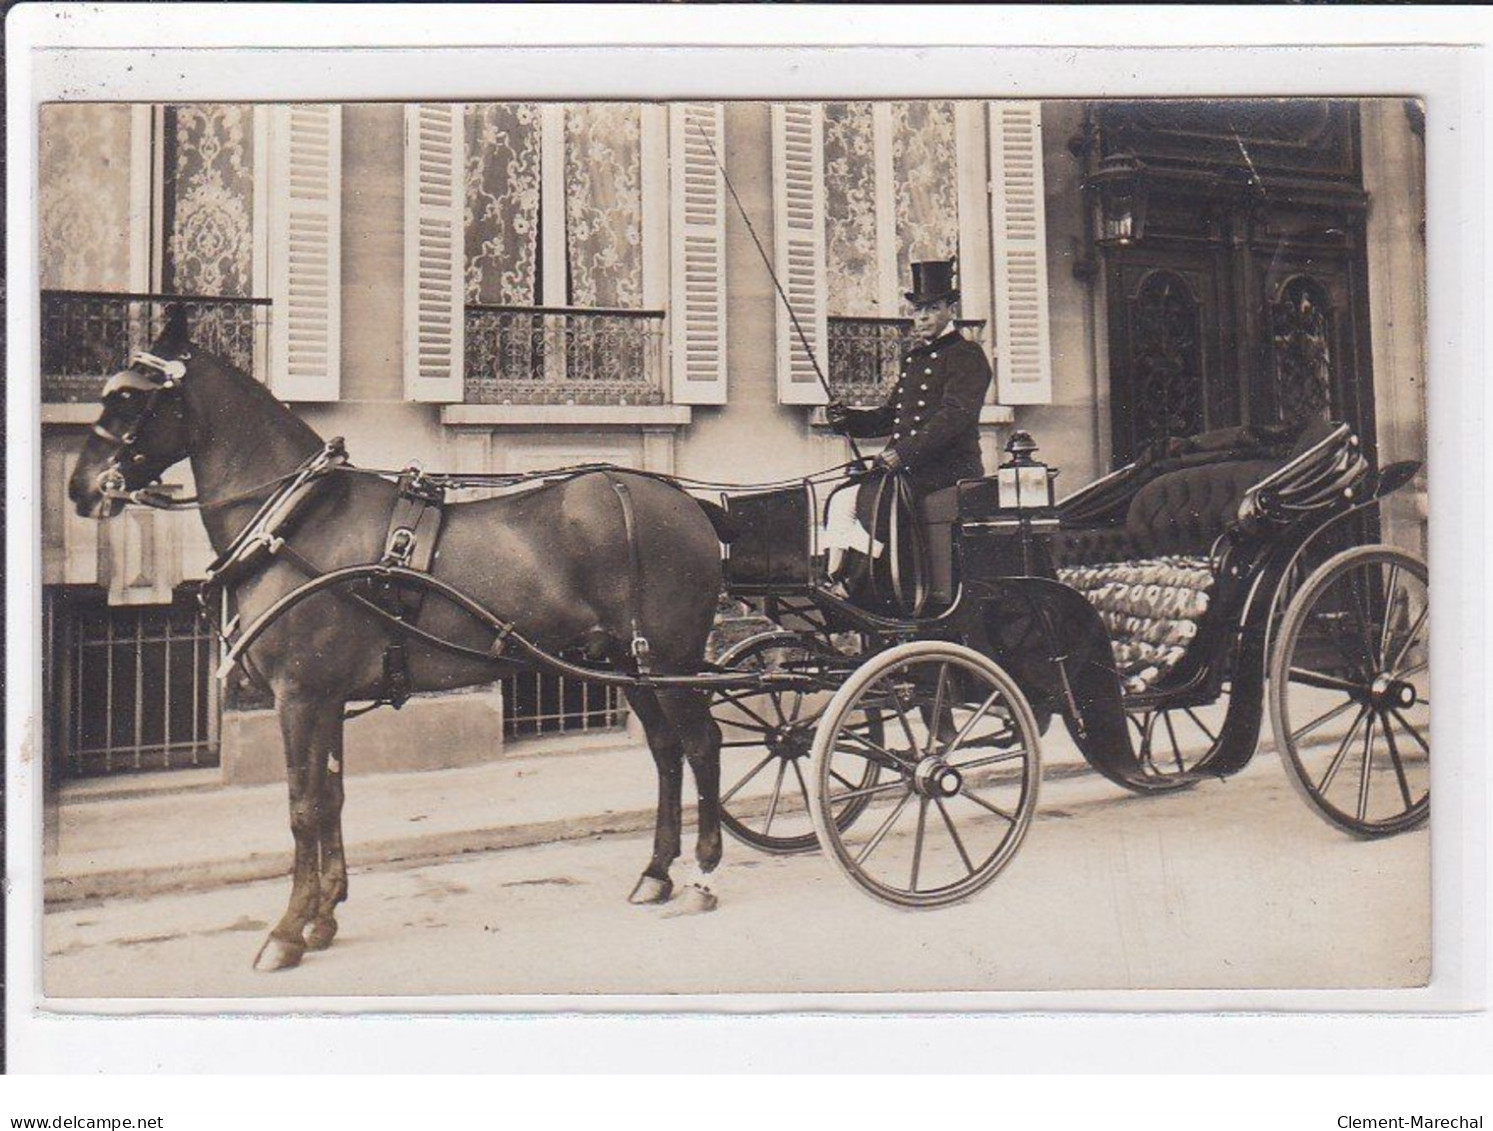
(262, 534)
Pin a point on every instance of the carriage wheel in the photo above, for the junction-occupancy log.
(1350, 691)
(1174, 744)
(958, 767)
(765, 740)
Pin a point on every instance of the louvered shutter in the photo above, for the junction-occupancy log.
(1018, 231)
(306, 252)
(697, 292)
(434, 215)
(798, 246)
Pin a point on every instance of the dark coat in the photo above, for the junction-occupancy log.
(932, 415)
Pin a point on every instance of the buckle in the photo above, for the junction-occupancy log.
(173, 371)
(401, 547)
(641, 651)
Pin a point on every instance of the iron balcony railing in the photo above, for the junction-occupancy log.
(864, 355)
(563, 355)
(88, 334)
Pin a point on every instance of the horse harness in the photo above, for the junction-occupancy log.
(395, 587)
(414, 530)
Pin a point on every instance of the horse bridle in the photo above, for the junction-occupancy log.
(172, 371)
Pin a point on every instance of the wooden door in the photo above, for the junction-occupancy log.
(1246, 299)
(1313, 343)
(1169, 348)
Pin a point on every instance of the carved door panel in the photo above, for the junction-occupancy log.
(1313, 348)
(1169, 348)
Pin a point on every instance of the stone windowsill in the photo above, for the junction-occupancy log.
(585, 416)
(55, 413)
(989, 414)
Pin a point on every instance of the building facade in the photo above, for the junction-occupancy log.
(516, 286)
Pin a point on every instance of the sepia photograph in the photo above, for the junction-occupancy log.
(740, 546)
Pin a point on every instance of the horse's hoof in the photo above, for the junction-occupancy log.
(320, 934)
(278, 954)
(651, 890)
(694, 900)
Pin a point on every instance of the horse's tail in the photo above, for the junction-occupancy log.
(720, 518)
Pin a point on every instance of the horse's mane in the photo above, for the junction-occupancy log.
(257, 391)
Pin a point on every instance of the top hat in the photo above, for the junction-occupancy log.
(932, 280)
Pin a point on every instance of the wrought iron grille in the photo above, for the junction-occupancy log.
(536, 703)
(137, 689)
(560, 355)
(864, 355)
(1301, 321)
(1166, 359)
(87, 334)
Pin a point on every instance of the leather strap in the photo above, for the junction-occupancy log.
(272, 521)
(640, 648)
(414, 528)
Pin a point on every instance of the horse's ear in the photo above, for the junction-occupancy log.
(175, 338)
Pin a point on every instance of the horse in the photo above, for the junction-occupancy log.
(557, 562)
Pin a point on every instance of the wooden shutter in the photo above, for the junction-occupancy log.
(434, 215)
(697, 291)
(306, 251)
(1018, 231)
(798, 247)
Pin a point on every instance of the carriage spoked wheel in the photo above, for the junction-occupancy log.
(765, 739)
(1350, 691)
(1174, 744)
(957, 773)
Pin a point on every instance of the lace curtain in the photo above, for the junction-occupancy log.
(502, 203)
(925, 170)
(925, 188)
(84, 197)
(850, 209)
(209, 200)
(604, 204)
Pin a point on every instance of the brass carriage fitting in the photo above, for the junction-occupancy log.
(934, 777)
(1386, 692)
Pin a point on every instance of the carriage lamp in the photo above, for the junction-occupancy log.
(1022, 483)
(1120, 183)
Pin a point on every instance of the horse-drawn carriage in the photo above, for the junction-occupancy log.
(902, 731)
(1154, 611)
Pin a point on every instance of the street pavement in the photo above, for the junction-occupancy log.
(1233, 884)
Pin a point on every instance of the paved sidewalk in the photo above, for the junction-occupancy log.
(203, 835)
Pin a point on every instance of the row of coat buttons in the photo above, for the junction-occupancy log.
(923, 388)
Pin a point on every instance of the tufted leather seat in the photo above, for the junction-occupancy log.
(1184, 511)
(1099, 544)
(1150, 578)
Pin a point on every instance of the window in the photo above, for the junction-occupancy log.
(225, 209)
(540, 703)
(564, 253)
(866, 188)
(891, 199)
(133, 688)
